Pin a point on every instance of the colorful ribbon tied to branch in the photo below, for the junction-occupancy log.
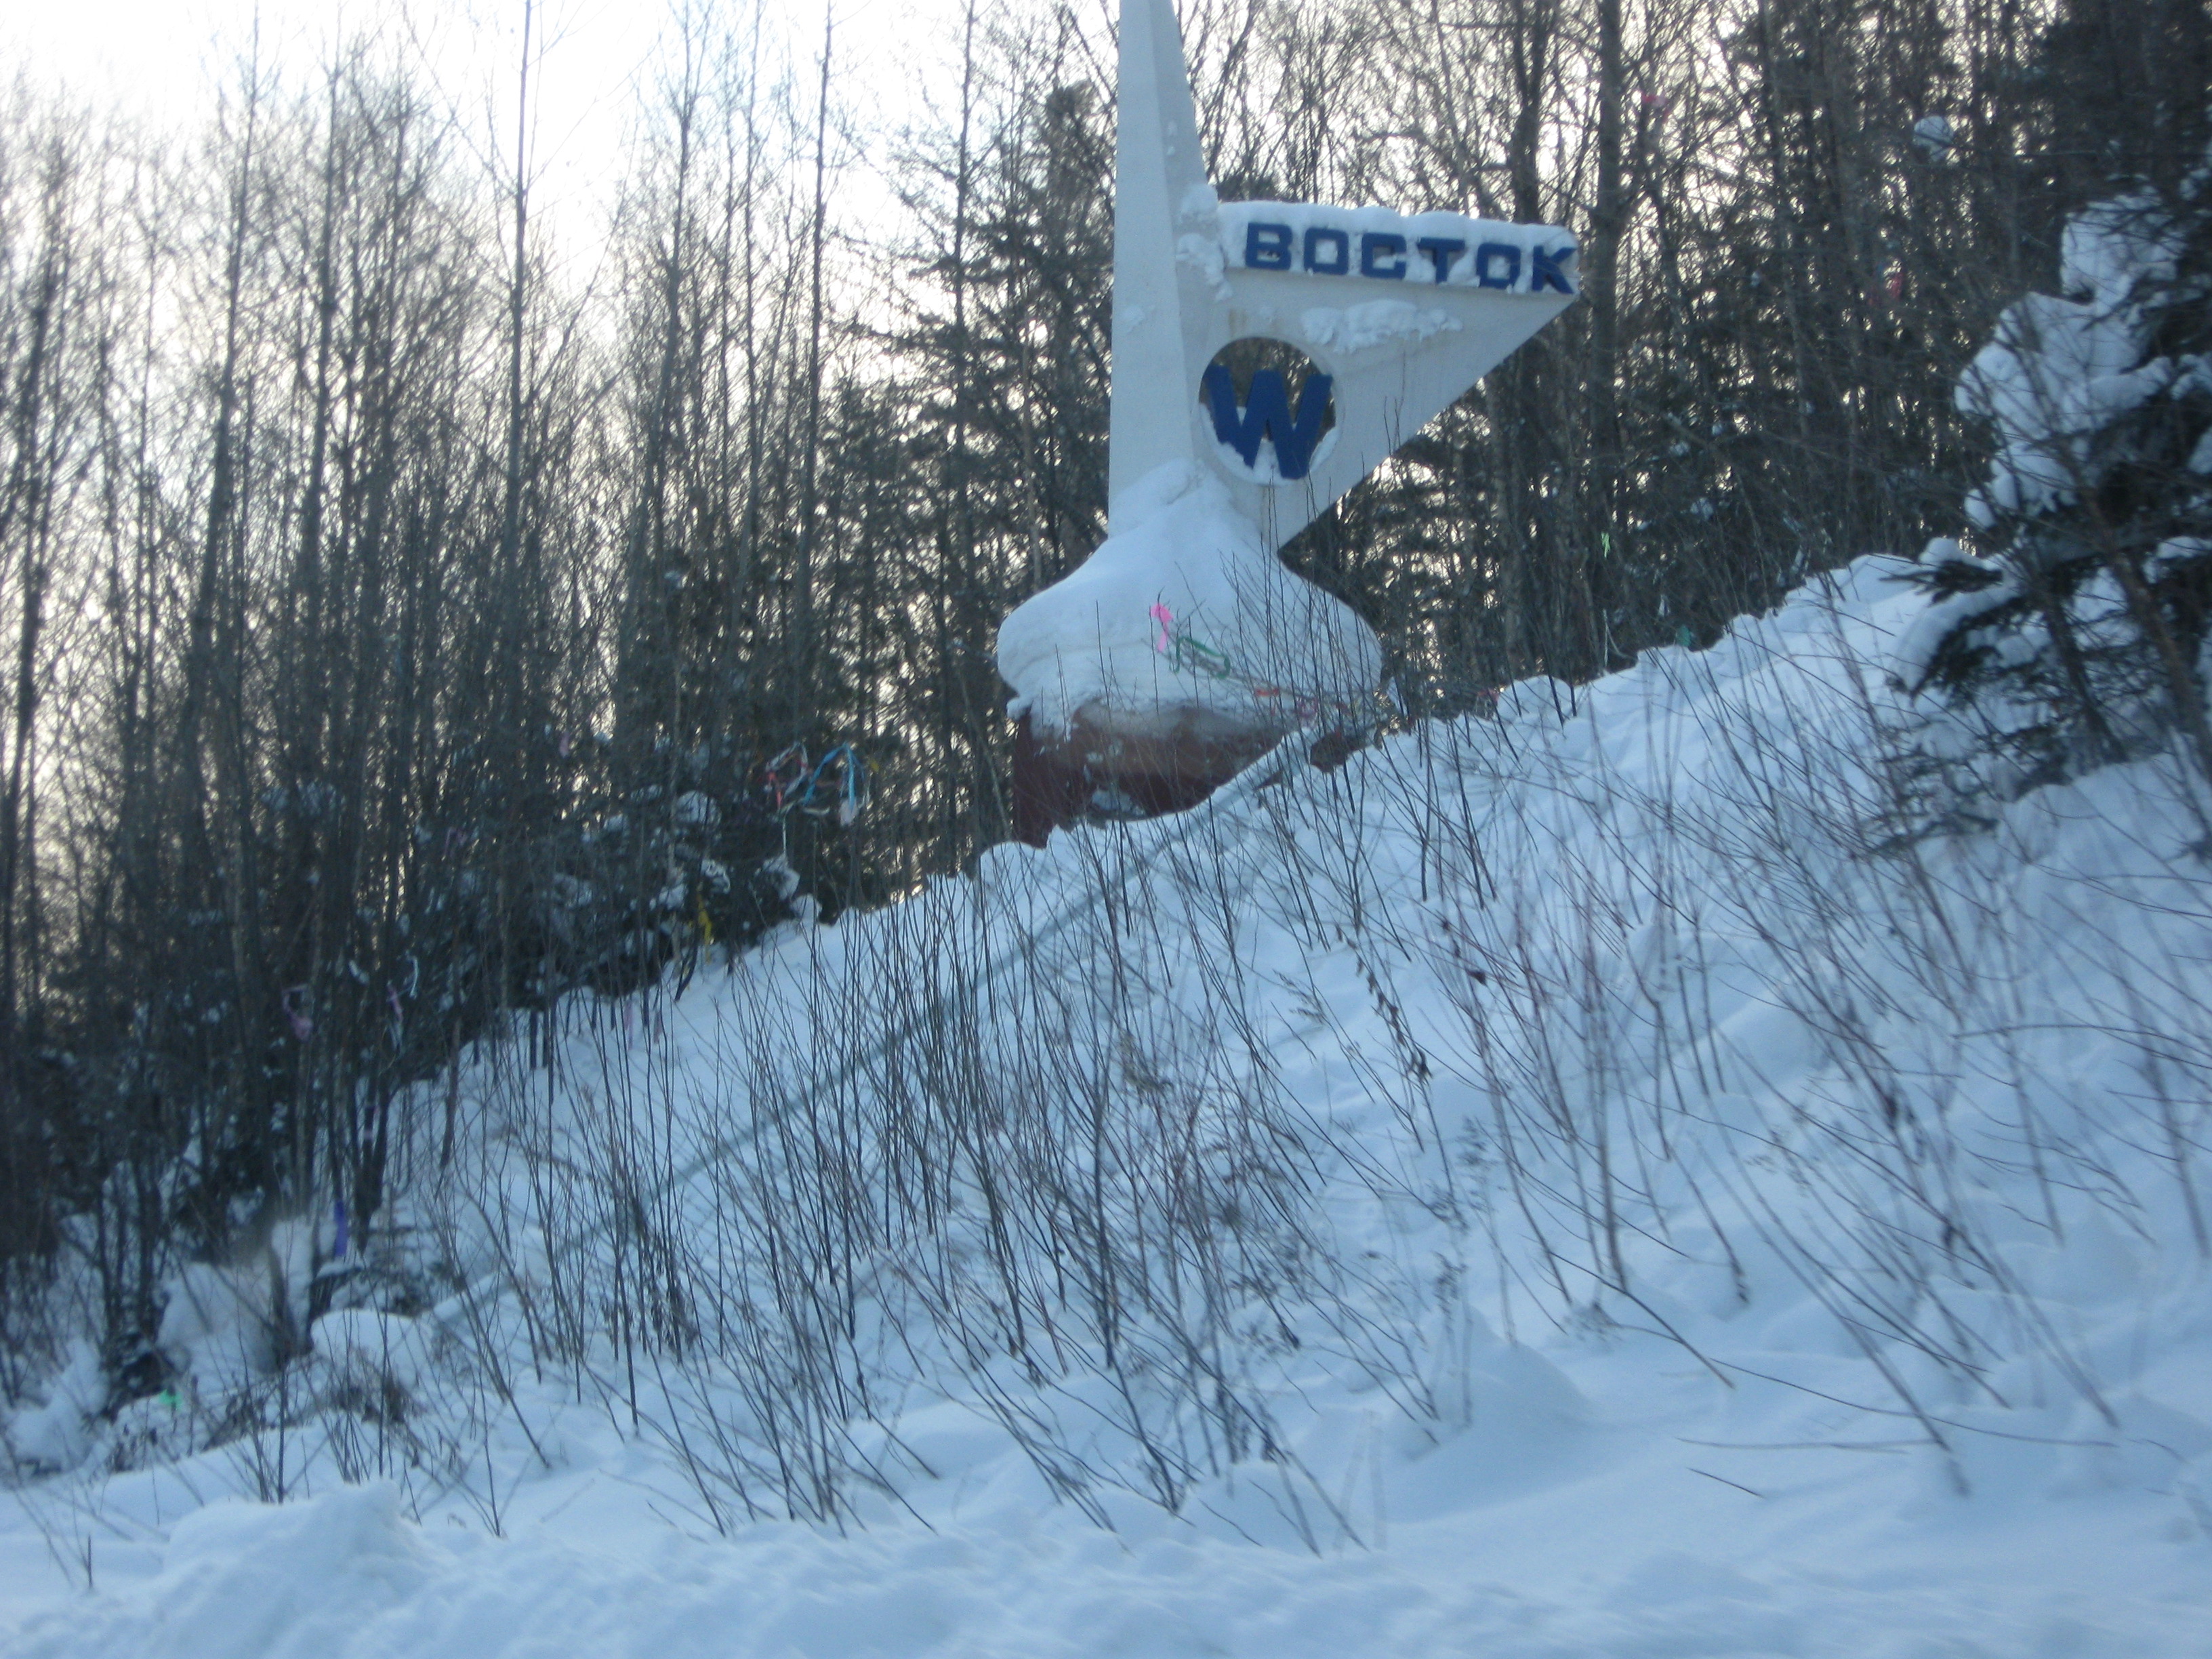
(836, 785)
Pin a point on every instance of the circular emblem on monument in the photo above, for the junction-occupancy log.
(1270, 411)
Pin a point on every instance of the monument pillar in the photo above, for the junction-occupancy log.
(1267, 357)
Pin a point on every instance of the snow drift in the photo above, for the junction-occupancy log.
(1590, 1180)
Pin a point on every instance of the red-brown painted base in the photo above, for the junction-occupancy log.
(1095, 772)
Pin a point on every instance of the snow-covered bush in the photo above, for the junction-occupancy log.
(2077, 636)
(55, 1432)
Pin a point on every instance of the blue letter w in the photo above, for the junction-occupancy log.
(1267, 415)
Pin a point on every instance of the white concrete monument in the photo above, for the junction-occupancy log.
(1267, 357)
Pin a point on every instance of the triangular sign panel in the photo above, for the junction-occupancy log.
(1399, 315)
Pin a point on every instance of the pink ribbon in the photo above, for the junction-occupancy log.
(1165, 618)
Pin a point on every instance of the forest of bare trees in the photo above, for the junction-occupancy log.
(403, 630)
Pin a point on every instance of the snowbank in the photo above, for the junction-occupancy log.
(1744, 1235)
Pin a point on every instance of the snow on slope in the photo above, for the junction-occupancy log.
(1731, 1231)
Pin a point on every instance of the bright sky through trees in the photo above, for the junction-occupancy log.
(166, 63)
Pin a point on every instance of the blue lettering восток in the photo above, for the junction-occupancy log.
(1443, 252)
(1487, 260)
(1342, 240)
(1267, 247)
(1327, 250)
(1377, 247)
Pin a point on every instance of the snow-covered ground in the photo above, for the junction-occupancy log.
(1593, 1182)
